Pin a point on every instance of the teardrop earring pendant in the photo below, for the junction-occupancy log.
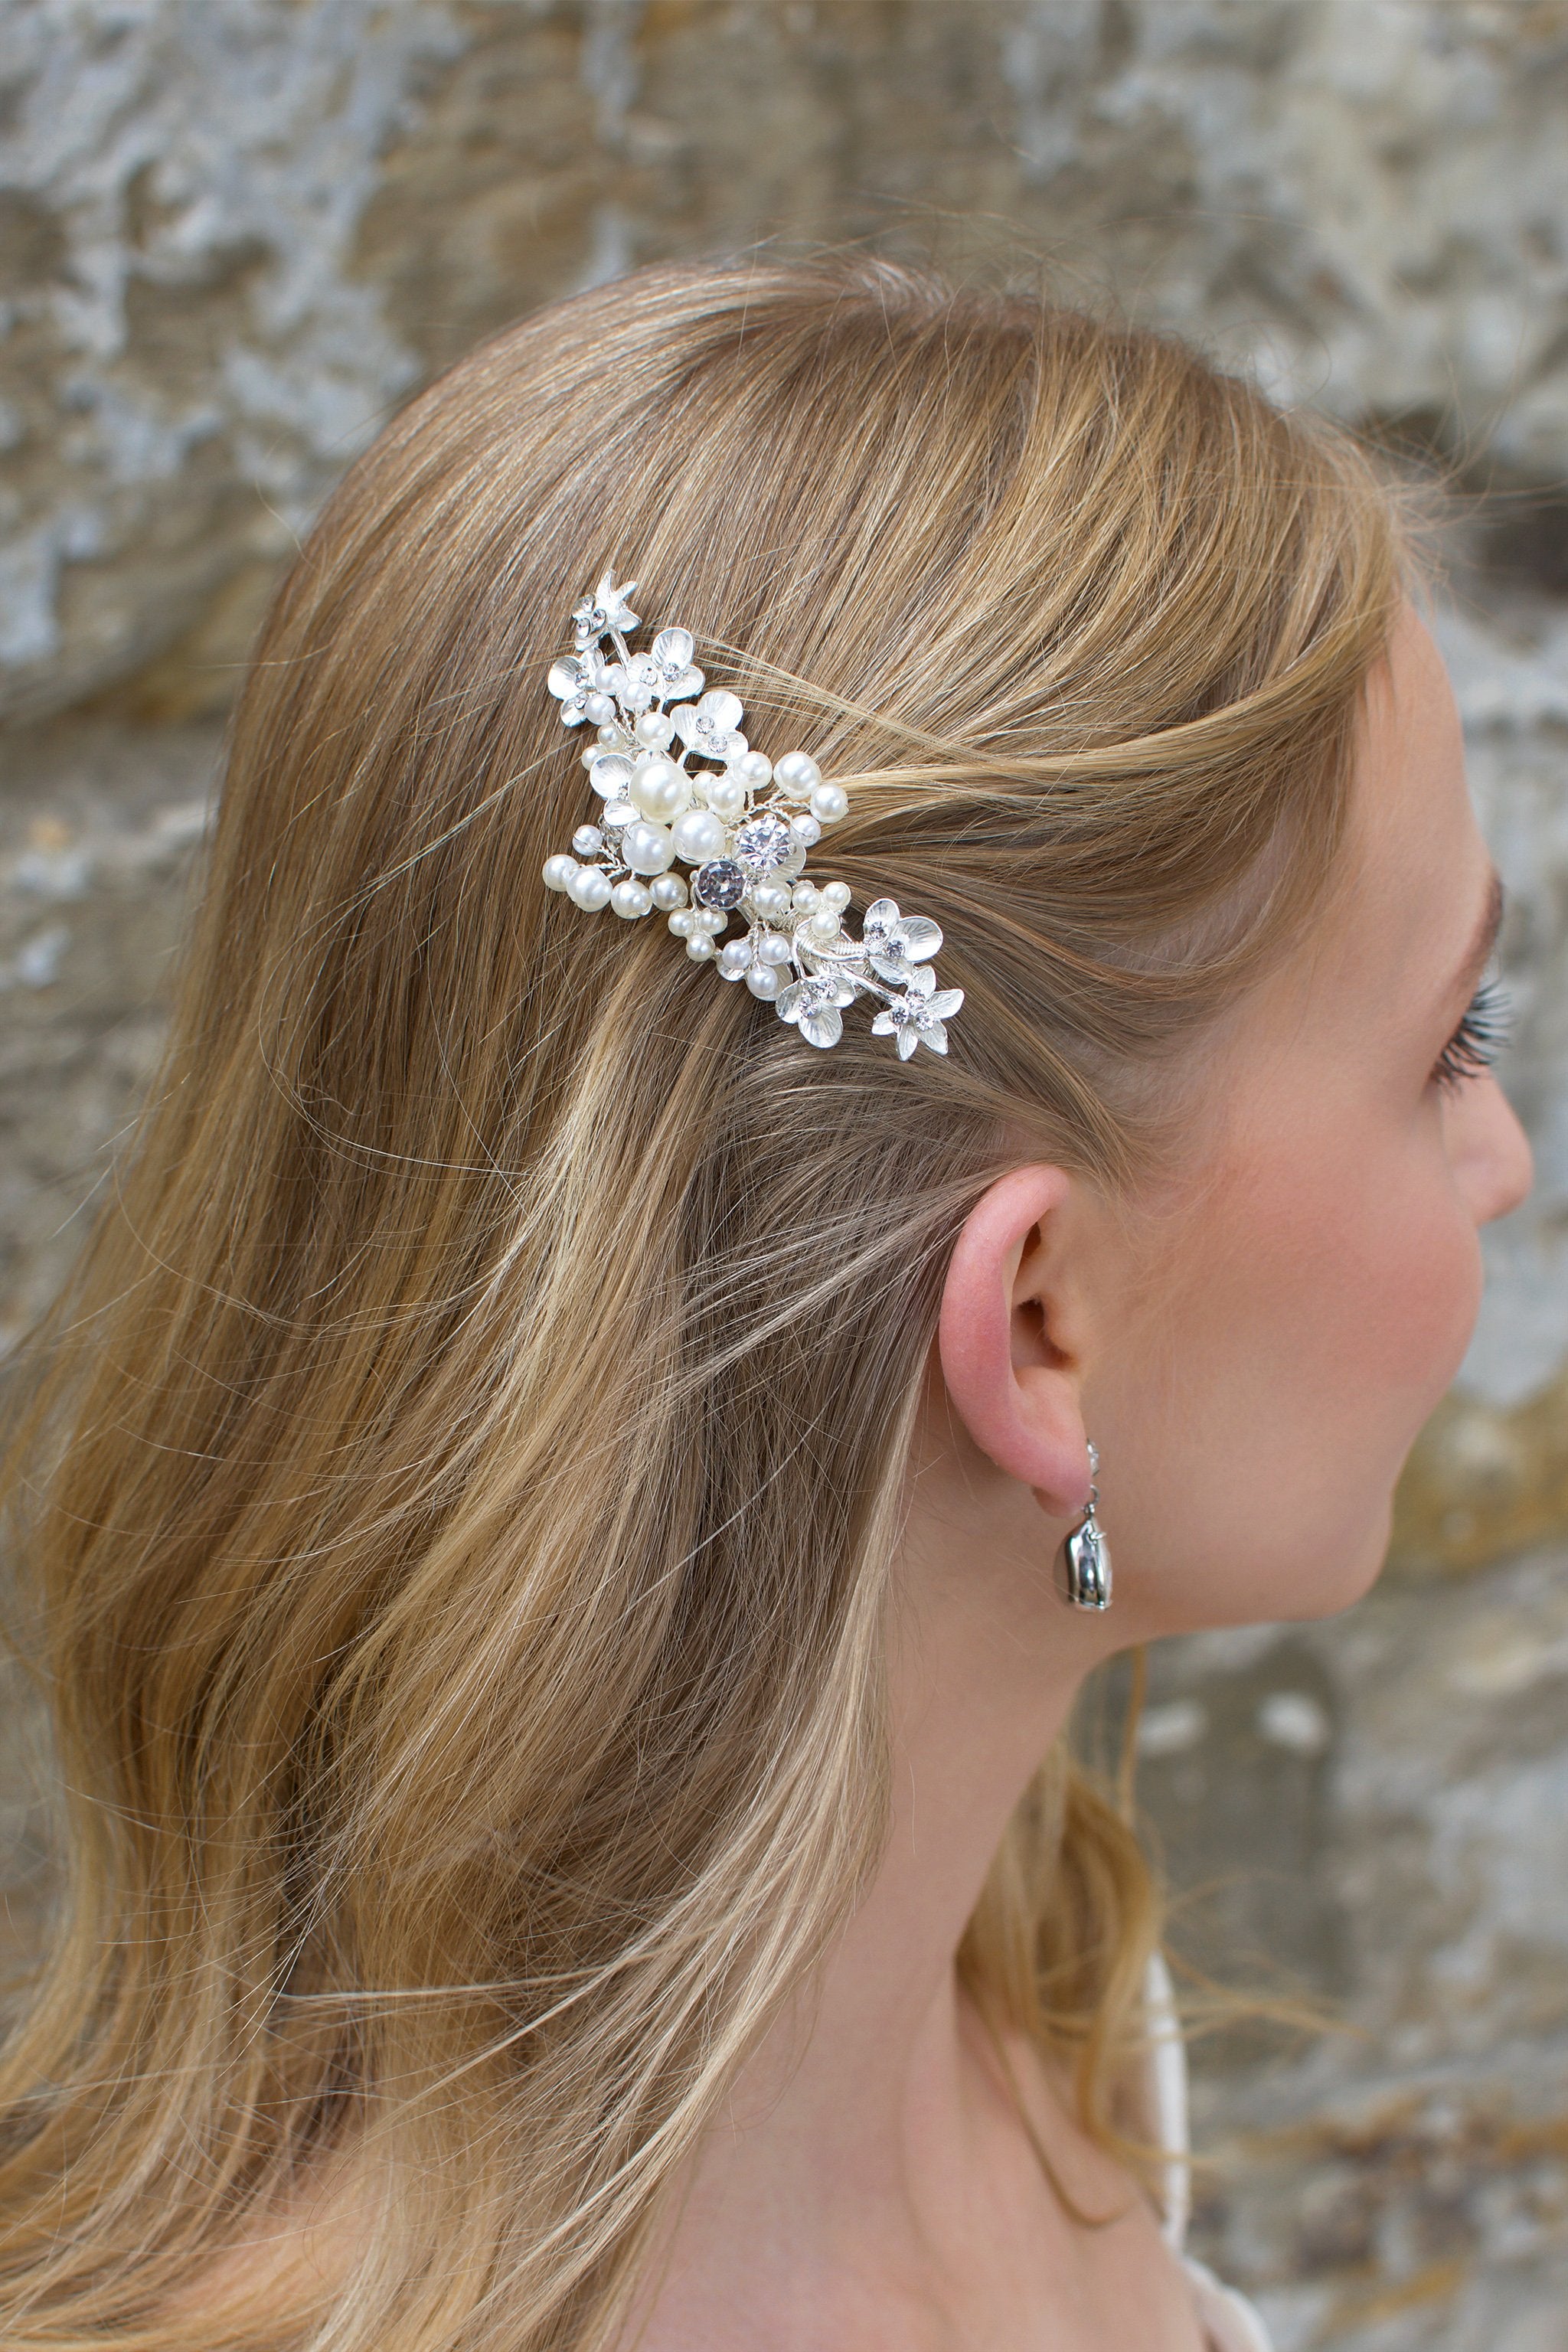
(1086, 1554)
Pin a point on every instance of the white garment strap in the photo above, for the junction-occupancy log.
(1166, 2078)
(1229, 2321)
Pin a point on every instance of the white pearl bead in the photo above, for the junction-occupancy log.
(589, 888)
(655, 729)
(829, 803)
(835, 893)
(587, 841)
(684, 923)
(609, 737)
(697, 833)
(709, 918)
(668, 891)
(764, 980)
(753, 768)
(648, 848)
(726, 796)
(771, 900)
(600, 709)
(699, 948)
(559, 870)
(823, 925)
(798, 772)
(735, 958)
(660, 789)
(806, 831)
(631, 899)
(773, 948)
(804, 897)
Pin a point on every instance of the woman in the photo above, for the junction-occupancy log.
(549, 1508)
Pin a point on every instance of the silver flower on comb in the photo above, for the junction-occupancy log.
(680, 784)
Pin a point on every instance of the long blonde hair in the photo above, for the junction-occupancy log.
(460, 1485)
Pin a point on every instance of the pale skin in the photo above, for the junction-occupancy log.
(1254, 1347)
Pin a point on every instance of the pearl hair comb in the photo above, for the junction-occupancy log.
(745, 822)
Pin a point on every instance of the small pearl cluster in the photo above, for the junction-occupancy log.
(745, 824)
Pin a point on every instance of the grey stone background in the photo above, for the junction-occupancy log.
(234, 234)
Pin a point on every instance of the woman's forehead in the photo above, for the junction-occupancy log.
(1420, 878)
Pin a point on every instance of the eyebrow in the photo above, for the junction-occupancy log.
(1485, 939)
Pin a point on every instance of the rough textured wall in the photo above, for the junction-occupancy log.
(233, 233)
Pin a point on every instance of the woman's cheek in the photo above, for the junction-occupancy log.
(1360, 1270)
(1425, 1272)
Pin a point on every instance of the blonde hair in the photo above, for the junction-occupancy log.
(459, 1498)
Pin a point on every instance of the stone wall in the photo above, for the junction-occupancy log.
(234, 233)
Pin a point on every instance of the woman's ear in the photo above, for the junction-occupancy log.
(1005, 1353)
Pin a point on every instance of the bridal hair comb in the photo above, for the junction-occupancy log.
(680, 783)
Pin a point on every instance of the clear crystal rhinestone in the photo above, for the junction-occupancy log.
(762, 845)
(720, 882)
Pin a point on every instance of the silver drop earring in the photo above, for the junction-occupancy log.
(1086, 1554)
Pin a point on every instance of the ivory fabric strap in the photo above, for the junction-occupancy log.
(1230, 2322)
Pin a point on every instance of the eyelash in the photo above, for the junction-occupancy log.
(1478, 1039)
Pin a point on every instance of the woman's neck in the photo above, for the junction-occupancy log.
(872, 2145)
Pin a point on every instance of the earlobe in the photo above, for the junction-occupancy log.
(1017, 1401)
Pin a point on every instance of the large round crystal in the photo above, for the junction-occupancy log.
(762, 845)
(720, 882)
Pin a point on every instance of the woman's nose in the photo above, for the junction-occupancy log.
(1500, 1157)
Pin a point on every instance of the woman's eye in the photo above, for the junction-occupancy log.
(1479, 1038)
